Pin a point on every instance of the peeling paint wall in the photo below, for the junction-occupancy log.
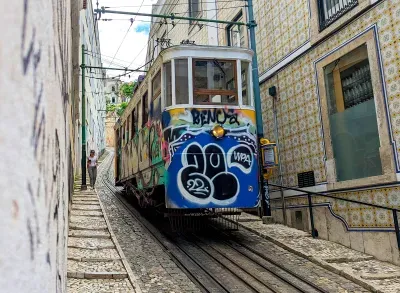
(35, 165)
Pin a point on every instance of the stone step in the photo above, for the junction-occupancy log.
(81, 253)
(90, 243)
(83, 202)
(89, 234)
(86, 207)
(84, 197)
(76, 285)
(115, 266)
(88, 226)
(86, 213)
(97, 275)
(92, 221)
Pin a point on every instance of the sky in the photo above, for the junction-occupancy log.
(132, 51)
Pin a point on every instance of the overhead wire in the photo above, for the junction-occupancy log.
(173, 5)
(132, 20)
(150, 37)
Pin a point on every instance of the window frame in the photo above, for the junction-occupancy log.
(386, 150)
(316, 35)
(145, 105)
(213, 91)
(321, 12)
(199, 13)
(158, 93)
(229, 30)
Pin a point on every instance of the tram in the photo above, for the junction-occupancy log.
(187, 139)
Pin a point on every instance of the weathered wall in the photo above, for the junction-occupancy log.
(34, 144)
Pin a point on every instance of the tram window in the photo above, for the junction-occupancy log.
(127, 128)
(214, 82)
(156, 85)
(133, 123)
(123, 134)
(181, 81)
(145, 110)
(246, 95)
(168, 84)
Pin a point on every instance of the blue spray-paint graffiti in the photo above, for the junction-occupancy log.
(210, 174)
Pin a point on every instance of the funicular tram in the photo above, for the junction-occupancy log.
(187, 140)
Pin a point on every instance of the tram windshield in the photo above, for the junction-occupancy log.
(214, 82)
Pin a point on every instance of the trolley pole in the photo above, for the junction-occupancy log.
(83, 67)
(266, 209)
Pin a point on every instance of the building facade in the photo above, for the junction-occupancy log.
(86, 34)
(335, 68)
(111, 90)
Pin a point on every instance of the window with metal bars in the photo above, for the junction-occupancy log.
(331, 10)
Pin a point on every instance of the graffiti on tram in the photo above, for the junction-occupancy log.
(204, 172)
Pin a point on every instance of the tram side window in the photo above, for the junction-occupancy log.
(123, 134)
(214, 82)
(127, 128)
(133, 121)
(145, 110)
(181, 81)
(246, 95)
(168, 84)
(126, 125)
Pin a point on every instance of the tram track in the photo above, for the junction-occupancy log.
(220, 263)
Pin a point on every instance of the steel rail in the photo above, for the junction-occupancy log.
(282, 278)
(270, 260)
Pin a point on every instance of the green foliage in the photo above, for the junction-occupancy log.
(126, 89)
(121, 108)
(110, 107)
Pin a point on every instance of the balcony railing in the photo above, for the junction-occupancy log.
(331, 10)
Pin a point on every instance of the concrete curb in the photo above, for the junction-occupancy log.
(131, 276)
(315, 260)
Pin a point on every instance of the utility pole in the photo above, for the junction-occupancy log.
(266, 208)
(83, 67)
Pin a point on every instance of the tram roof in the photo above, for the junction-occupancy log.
(202, 51)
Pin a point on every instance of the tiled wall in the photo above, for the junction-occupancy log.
(283, 26)
(300, 129)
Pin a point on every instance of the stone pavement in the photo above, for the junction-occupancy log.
(95, 260)
(363, 269)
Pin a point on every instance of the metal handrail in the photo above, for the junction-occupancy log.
(309, 196)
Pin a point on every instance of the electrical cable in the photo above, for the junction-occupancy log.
(132, 20)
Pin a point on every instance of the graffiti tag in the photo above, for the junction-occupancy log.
(241, 156)
(204, 177)
(220, 116)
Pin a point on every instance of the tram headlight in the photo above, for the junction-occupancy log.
(218, 131)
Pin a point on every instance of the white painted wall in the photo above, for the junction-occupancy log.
(94, 84)
(35, 67)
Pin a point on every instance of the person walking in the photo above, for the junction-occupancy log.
(92, 167)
